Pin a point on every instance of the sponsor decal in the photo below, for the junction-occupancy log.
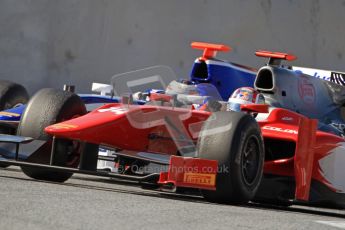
(9, 114)
(287, 119)
(244, 96)
(306, 91)
(317, 73)
(64, 126)
(338, 78)
(116, 110)
(200, 178)
(340, 127)
(280, 129)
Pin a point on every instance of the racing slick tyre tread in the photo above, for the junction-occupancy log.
(46, 107)
(233, 139)
(11, 95)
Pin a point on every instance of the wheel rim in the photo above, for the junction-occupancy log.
(73, 148)
(250, 160)
(73, 153)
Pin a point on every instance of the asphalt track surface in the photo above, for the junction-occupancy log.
(87, 202)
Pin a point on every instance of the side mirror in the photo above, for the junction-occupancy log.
(255, 108)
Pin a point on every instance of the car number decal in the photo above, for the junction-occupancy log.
(116, 110)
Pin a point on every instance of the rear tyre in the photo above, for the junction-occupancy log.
(234, 140)
(46, 107)
(11, 95)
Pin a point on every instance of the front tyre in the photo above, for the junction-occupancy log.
(46, 107)
(235, 141)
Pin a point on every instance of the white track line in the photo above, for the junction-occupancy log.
(337, 224)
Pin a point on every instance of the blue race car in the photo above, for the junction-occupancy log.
(226, 76)
(15, 103)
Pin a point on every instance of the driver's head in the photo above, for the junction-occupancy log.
(182, 87)
(244, 95)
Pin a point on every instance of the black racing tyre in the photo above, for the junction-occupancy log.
(12, 95)
(46, 107)
(233, 139)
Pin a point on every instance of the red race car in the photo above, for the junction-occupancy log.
(263, 153)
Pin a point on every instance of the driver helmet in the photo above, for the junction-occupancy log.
(244, 95)
(182, 87)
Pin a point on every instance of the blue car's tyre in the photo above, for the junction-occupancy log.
(233, 139)
(11, 95)
(46, 107)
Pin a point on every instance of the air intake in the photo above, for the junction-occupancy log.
(265, 80)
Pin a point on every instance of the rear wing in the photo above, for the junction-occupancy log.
(275, 58)
(210, 49)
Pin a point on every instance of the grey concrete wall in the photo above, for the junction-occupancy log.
(52, 42)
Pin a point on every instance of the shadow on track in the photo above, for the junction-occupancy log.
(300, 209)
(175, 196)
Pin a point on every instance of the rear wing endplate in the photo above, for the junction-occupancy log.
(275, 58)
